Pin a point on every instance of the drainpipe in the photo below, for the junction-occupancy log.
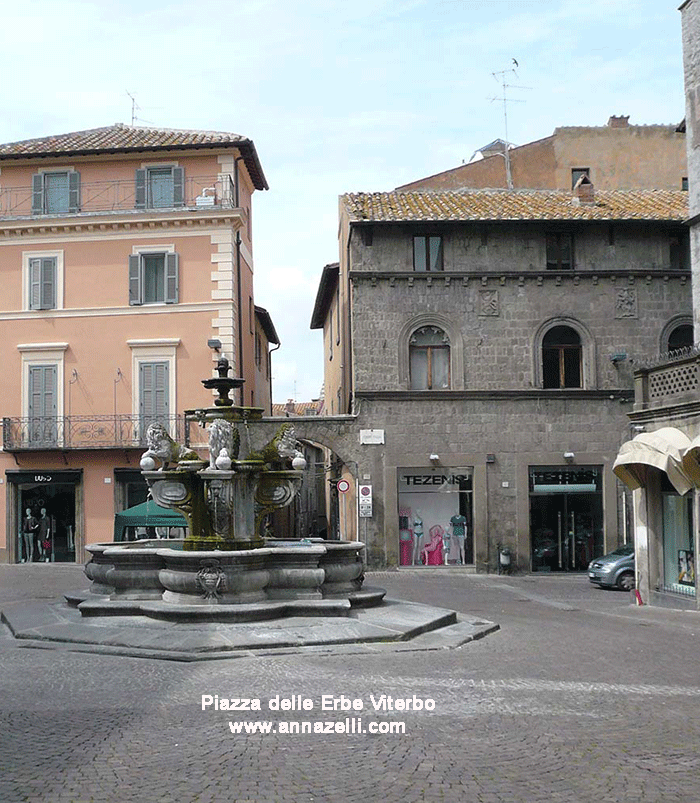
(269, 371)
(238, 276)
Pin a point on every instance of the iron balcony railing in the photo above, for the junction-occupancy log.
(99, 197)
(84, 432)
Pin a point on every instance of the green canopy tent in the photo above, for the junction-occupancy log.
(147, 514)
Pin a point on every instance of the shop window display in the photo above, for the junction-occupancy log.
(566, 517)
(435, 516)
(679, 559)
(47, 525)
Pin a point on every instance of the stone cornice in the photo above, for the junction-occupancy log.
(136, 221)
(568, 394)
(491, 278)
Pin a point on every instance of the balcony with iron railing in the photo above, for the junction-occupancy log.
(84, 432)
(198, 193)
(671, 380)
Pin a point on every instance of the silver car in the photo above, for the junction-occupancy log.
(616, 569)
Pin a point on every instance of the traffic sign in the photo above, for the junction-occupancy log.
(343, 486)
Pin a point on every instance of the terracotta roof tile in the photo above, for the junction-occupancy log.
(120, 137)
(515, 205)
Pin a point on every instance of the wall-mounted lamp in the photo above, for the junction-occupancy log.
(214, 343)
(434, 458)
(619, 357)
(638, 428)
(569, 456)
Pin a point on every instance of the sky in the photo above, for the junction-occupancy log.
(338, 97)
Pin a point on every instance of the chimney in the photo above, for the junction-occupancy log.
(584, 192)
(289, 408)
(622, 121)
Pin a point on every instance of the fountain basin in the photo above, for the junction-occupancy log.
(279, 579)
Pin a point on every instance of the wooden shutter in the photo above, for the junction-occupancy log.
(74, 191)
(140, 189)
(42, 406)
(35, 284)
(48, 283)
(172, 280)
(135, 282)
(154, 404)
(38, 194)
(178, 186)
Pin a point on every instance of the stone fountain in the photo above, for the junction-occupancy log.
(225, 569)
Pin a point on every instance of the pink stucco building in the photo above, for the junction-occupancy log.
(126, 266)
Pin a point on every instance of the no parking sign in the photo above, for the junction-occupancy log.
(364, 499)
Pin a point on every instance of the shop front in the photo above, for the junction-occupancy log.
(566, 517)
(662, 469)
(436, 516)
(42, 517)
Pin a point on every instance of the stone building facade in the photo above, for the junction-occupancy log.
(488, 341)
(661, 463)
(615, 156)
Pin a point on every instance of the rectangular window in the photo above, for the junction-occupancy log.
(258, 350)
(56, 193)
(679, 252)
(154, 401)
(42, 283)
(560, 251)
(42, 404)
(577, 172)
(427, 253)
(160, 187)
(153, 278)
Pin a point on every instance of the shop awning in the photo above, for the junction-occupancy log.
(691, 461)
(147, 514)
(663, 449)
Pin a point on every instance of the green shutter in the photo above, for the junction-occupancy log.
(35, 284)
(135, 283)
(140, 189)
(172, 280)
(74, 191)
(178, 186)
(42, 406)
(38, 194)
(48, 283)
(153, 393)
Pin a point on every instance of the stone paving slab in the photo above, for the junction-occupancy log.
(397, 624)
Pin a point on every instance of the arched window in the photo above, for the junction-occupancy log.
(681, 337)
(429, 359)
(561, 358)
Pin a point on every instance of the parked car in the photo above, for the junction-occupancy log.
(616, 569)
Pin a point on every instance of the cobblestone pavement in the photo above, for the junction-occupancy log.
(580, 697)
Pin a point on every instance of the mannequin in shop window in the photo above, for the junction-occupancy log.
(417, 538)
(29, 529)
(459, 530)
(44, 537)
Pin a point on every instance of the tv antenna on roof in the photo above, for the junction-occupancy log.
(501, 77)
(134, 107)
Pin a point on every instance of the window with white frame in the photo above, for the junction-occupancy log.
(160, 187)
(42, 280)
(55, 192)
(42, 391)
(154, 375)
(154, 278)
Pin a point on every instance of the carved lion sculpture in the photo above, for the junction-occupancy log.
(222, 435)
(163, 448)
(281, 449)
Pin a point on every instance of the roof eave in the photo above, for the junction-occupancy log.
(329, 279)
(245, 146)
(267, 326)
